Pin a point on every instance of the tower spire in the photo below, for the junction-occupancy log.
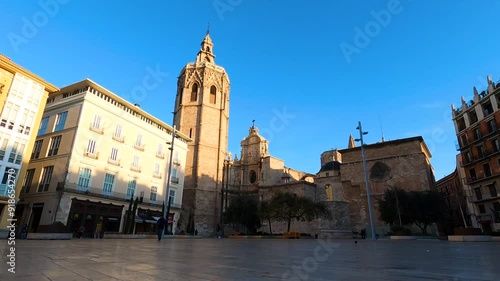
(206, 51)
(208, 28)
(351, 144)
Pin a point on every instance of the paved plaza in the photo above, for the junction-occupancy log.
(230, 259)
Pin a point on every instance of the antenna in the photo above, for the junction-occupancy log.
(381, 130)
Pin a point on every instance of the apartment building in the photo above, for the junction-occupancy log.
(22, 98)
(93, 153)
(476, 125)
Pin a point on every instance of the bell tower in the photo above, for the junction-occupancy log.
(202, 113)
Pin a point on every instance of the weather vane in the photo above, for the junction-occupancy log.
(208, 28)
(253, 123)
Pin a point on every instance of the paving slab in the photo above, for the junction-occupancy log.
(234, 259)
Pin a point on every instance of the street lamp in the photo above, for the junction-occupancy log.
(367, 183)
(166, 211)
(224, 189)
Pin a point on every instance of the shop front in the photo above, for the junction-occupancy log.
(88, 214)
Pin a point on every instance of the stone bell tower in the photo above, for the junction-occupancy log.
(202, 113)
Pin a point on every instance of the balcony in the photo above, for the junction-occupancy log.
(100, 193)
(160, 155)
(93, 155)
(114, 162)
(99, 130)
(157, 175)
(135, 168)
(139, 147)
(485, 195)
(119, 138)
(174, 180)
(177, 162)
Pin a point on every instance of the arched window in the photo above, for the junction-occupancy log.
(207, 49)
(194, 92)
(213, 94)
(180, 96)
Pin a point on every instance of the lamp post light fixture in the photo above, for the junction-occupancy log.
(367, 183)
(166, 210)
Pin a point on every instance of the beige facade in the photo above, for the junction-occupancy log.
(22, 98)
(94, 151)
(202, 113)
(340, 182)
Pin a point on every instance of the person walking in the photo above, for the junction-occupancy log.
(81, 230)
(24, 231)
(98, 230)
(160, 227)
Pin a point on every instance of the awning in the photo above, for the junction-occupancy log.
(139, 219)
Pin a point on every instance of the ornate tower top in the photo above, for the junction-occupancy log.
(205, 54)
(351, 143)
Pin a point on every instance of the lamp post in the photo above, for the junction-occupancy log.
(167, 189)
(223, 192)
(367, 183)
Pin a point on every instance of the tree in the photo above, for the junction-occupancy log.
(287, 207)
(426, 207)
(394, 208)
(267, 212)
(244, 210)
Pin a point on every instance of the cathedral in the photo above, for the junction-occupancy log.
(202, 113)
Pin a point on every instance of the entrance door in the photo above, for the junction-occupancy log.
(36, 214)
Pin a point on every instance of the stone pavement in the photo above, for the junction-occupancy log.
(230, 259)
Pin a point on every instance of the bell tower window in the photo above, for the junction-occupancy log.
(213, 94)
(194, 92)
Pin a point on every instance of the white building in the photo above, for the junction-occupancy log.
(95, 151)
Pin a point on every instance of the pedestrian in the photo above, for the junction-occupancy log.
(98, 230)
(160, 227)
(81, 230)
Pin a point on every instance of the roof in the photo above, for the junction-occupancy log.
(332, 165)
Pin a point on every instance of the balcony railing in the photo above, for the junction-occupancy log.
(99, 130)
(157, 175)
(174, 180)
(135, 168)
(177, 162)
(484, 195)
(100, 193)
(93, 155)
(139, 147)
(114, 162)
(119, 138)
(160, 155)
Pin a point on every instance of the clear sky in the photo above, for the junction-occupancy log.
(306, 71)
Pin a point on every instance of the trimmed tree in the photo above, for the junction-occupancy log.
(288, 207)
(244, 210)
(426, 207)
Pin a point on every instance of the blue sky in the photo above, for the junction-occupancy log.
(285, 60)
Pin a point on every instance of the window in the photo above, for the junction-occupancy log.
(482, 209)
(480, 151)
(473, 174)
(213, 94)
(479, 195)
(9, 115)
(46, 177)
(118, 135)
(91, 149)
(60, 121)
(7, 180)
(84, 179)
(496, 145)
(43, 126)
(131, 189)
(477, 134)
(171, 197)
(54, 145)
(135, 164)
(492, 125)
(156, 172)
(36, 149)
(138, 142)
(159, 151)
(97, 122)
(487, 170)
(493, 190)
(114, 154)
(194, 92)
(174, 177)
(152, 195)
(16, 154)
(3, 147)
(28, 180)
(109, 182)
